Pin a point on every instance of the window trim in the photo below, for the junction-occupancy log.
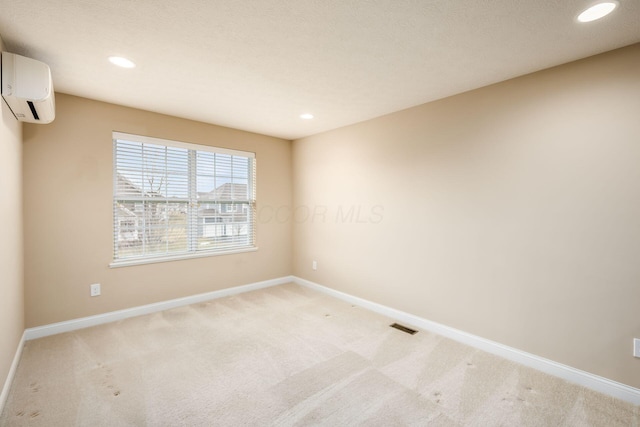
(178, 144)
(167, 258)
(151, 259)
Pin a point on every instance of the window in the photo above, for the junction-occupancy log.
(178, 200)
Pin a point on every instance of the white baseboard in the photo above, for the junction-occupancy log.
(576, 376)
(85, 322)
(12, 372)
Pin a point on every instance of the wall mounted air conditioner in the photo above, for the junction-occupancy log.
(27, 88)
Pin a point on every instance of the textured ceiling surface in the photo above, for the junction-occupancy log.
(257, 65)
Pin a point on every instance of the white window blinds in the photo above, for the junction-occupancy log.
(177, 199)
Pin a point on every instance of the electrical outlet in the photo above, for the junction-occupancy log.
(95, 289)
(314, 265)
(636, 347)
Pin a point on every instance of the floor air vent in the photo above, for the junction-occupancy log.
(403, 328)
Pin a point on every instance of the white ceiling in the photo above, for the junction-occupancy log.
(257, 65)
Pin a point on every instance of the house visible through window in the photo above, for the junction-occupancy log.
(173, 199)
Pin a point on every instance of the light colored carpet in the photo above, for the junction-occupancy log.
(284, 356)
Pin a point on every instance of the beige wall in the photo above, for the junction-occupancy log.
(68, 214)
(511, 212)
(11, 239)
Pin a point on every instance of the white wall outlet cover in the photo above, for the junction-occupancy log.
(314, 265)
(636, 347)
(95, 289)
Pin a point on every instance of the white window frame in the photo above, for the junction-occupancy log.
(192, 250)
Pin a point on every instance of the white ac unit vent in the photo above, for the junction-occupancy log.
(27, 88)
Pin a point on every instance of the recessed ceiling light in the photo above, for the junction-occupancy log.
(597, 11)
(121, 62)
(306, 116)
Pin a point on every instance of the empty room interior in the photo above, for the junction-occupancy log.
(320, 213)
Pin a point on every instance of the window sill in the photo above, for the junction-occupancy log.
(140, 261)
